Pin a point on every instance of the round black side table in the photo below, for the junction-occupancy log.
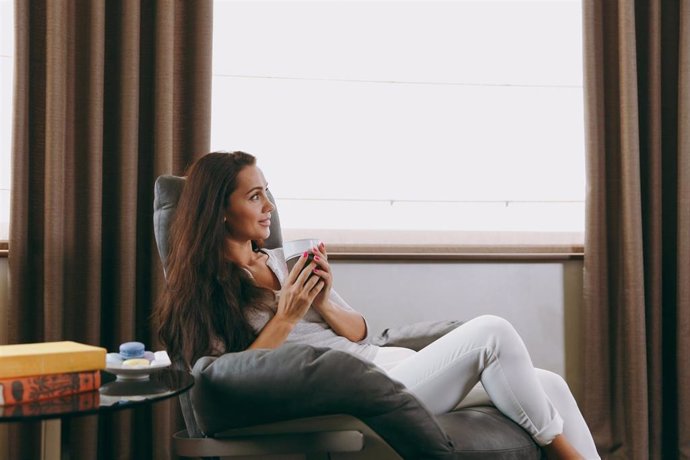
(113, 395)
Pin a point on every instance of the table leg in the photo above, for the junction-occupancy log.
(50, 439)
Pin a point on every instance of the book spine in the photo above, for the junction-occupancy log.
(40, 387)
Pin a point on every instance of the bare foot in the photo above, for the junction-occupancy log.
(561, 449)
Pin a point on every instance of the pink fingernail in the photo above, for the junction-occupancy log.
(305, 254)
(316, 257)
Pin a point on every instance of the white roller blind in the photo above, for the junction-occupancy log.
(6, 79)
(450, 115)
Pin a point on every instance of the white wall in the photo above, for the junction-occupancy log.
(542, 300)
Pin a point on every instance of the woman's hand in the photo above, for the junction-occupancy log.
(348, 324)
(323, 271)
(299, 291)
(296, 296)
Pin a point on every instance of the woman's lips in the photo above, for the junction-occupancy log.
(265, 223)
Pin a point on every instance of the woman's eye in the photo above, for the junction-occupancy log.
(254, 197)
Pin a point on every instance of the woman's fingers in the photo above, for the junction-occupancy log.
(320, 250)
(321, 259)
(316, 289)
(311, 282)
(294, 273)
(322, 264)
(306, 280)
(323, 274)
(304, 275)
(307, 293)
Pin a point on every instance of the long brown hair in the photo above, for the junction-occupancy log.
(206, 296)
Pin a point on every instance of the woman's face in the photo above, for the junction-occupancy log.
(248, 215)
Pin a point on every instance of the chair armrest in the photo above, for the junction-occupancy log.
(415, 336)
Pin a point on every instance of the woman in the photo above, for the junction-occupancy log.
(224, 293)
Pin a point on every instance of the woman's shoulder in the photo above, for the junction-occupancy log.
(276, 262)
(275, 254)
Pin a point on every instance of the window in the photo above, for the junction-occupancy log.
(6, 78)
(399, 115)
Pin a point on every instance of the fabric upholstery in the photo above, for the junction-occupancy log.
(107, 96)
(240, 389)
(485, 433)
(636, 310)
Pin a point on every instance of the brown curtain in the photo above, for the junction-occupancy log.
(637, 244)
(108, 95)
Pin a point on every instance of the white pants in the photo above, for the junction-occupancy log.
(484, 362)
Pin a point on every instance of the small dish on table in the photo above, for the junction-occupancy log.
(114, 365)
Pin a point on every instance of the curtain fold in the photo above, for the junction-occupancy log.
(637, 241)
(108, 95)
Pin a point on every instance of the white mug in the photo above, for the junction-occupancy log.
(295, 248)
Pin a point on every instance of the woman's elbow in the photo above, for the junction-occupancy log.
(361, 332)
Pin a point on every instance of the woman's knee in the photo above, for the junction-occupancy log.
(500, 336)
(552, 383)
(496, 325)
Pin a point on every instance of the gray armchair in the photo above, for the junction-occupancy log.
(324, 403)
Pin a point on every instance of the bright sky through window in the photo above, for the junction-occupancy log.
(448, 115)
(452, 115)
(6, 78)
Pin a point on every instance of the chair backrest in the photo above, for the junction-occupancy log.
(167, 193)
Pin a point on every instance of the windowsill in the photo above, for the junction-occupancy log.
(445, 245)
(437, 245)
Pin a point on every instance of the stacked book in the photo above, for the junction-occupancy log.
(35, 372)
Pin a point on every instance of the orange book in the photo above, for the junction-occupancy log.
(61, 404)
(29, 359)
(17, 390)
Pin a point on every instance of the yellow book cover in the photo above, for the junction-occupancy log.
(49, 358)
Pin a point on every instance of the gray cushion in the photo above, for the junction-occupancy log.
(485, 433)
(294, 381)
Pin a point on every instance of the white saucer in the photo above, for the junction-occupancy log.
(160, 362)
